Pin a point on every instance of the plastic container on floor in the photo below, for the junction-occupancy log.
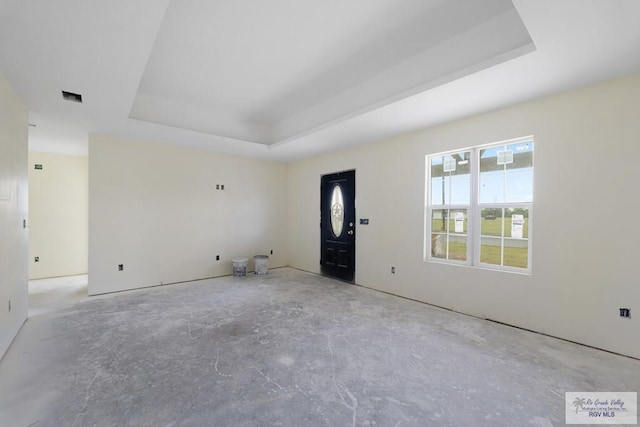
(261, 264)
(240, 267)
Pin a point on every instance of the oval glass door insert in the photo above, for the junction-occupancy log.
(337, 211)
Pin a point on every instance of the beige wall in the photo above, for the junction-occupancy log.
(58, 215)
(585, 230)
(13, 211)
(155, 209)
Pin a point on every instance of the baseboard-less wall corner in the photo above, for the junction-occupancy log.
(10, 334)
(161, 212)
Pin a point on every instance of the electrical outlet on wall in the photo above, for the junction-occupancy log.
(120, 267)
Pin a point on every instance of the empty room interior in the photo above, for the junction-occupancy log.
(319, 213)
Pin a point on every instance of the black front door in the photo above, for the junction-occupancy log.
(337, 225)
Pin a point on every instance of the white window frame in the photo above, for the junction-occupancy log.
(474, 210)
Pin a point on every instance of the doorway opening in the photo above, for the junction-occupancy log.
(58, 229)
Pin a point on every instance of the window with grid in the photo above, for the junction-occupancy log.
(479, 204)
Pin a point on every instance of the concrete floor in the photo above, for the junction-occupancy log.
(288, 349)
(47, 295)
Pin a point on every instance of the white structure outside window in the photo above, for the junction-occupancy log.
(479, 205)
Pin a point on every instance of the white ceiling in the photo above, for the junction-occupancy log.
(287, 79)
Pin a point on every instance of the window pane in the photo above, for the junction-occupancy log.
(437, 167)
(522, 155)
(520, 173)
(492, 187)
(491, 222)
(337, 211)
(449, 220)
(439, 222)
(519, 185)
(449, 238)
(516, 253)
(451, 179)
(491, 250)
(458, 221)
(460, 189)
(516, 223)
(440, 190)
(506, 173)
(489, 159)
(439, 245)
(513, 225)
(458, 248)
(451, 246)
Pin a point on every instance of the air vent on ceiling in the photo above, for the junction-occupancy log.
(73, 97)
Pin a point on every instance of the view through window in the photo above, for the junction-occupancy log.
(478, 205)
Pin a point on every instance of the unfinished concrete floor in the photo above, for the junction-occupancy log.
(289, 349)
(47, 295)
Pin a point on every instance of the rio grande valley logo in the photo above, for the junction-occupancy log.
(601, 408)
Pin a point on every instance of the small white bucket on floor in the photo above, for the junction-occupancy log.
(261, 264)
(240, 267)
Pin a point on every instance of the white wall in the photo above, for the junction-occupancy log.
(585, 226)
(155, 209)
(13, 211)
(58, 215)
